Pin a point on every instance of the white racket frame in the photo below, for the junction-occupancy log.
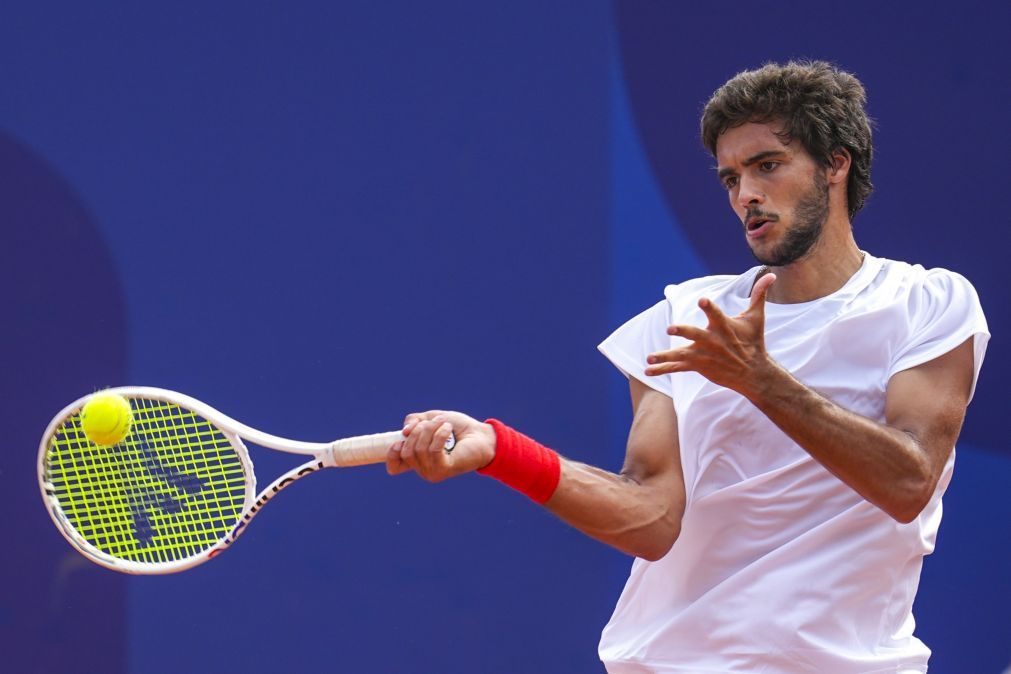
(354, 451)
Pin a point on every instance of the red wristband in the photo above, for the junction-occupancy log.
(523, 463)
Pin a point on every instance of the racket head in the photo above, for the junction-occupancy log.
(161, 499)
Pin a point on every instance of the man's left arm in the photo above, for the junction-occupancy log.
(895, 465)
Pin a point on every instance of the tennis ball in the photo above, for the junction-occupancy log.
(106, 418)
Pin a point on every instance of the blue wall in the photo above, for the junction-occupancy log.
(318, 218)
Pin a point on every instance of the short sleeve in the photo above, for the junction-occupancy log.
(628, 346)
(944, 311)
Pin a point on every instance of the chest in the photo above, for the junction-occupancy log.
(726, 440)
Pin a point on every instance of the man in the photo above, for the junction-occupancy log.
(793, 426)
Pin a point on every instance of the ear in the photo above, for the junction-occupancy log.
(839, 166)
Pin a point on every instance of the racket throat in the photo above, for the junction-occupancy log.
(295, 474)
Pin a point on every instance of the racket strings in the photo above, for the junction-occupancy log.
(169, 490)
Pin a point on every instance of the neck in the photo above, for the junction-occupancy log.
(826, 268)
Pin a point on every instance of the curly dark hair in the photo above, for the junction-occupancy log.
(819, 104)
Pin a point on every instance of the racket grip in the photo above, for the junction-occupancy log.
(362, 450)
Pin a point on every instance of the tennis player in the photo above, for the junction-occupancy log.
(794, 426)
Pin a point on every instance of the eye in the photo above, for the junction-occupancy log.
(730, 182)
(768, 166)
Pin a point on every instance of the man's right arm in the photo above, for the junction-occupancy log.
(637, 511)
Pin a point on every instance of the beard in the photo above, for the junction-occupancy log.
(809, 219)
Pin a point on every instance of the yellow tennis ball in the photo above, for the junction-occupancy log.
(106, 418)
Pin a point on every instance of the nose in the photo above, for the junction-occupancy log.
(748, 193)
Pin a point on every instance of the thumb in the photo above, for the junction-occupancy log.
(760, 291)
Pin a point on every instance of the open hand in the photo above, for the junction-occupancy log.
(729, 351)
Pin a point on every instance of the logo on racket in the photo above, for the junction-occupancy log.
(142, 501)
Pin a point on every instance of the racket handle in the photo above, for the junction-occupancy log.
(365, 449)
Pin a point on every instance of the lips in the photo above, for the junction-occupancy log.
(758, 226)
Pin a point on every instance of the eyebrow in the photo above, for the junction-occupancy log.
(753, 159)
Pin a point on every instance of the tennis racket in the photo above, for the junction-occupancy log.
(179, 488)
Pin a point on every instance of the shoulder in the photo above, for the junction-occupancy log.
(936, 311)
(917, 274)
(713, 287)
(924, 292)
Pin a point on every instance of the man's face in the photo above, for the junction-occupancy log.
(778, 191)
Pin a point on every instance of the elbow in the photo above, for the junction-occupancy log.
(911, 500)
(650, 525)
(655, 553)
(905, 515)
(656, 540)
(655, 547)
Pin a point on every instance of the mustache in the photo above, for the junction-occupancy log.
(759, 213)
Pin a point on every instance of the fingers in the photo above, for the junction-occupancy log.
(417, 441)
(439, 441)
(666, 368)
(717, 319)
(423, 451)
(760, 291)
(394, 464)
(726, 350)
(666, 362)
(687, 331)
(432, 460)
(412, 420)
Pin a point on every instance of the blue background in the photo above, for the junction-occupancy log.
(320, 216)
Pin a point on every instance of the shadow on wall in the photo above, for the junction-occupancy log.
(64, 334)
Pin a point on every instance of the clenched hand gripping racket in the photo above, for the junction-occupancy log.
(179, 488)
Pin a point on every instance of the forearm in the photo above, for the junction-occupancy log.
(896, 464)
(640, 519)
(637, 511)
(885, 465)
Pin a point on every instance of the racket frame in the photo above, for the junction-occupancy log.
(353, 451)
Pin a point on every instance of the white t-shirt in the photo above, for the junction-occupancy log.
(780, 567)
